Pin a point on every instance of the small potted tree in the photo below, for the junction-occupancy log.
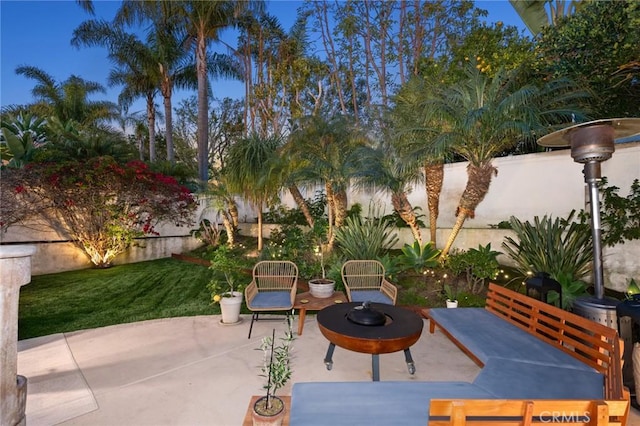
(225, 286)
(276, 368)
(324, 287)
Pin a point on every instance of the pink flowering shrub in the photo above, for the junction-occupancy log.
(100, 204)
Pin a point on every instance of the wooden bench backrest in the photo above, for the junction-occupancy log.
(512, 412)
(589, 342)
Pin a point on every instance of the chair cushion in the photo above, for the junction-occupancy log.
(374, 296)
(507, 378)
(372, 403)
(271, 299)
(486, 335)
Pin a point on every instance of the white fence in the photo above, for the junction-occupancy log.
(526, 186)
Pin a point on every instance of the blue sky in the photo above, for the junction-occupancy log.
(38, 33)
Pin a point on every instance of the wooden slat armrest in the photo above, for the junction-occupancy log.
(524, 412)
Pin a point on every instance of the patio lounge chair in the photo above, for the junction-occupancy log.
(272, 289)
(364, 281)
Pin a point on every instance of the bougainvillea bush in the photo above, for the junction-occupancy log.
(101, 205)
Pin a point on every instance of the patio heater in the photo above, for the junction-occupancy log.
(592, 143)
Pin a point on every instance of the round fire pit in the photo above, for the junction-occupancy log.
(388, 329)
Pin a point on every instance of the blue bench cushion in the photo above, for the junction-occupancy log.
(374, 296)
(271, 299)
(507, 378)
(372, 403)
(486, 335)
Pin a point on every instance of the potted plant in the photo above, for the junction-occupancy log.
(225, 286)
(452, 296)
(324, 287)
(276, 368)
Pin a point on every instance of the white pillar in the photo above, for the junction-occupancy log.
(15, 271)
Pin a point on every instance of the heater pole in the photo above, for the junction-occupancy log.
(596, 236)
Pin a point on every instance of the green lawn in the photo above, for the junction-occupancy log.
(92, 298)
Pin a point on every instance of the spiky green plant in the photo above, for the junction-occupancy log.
(419, 257)
(369, 238)
(560, 247)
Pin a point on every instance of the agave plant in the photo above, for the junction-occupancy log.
(419, 257)
(561, 247)
(369, 238)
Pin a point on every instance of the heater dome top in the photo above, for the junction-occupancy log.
(622, 127)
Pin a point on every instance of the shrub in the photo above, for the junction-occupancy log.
(559, 246)
(419, 258)
(291, 242)
(478, 265)
(102, 205)
(620, 216)
(362, 239)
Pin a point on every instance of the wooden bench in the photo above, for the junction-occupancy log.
(595, 345)
(493, 412)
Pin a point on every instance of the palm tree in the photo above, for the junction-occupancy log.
(249, 172)
(483, 116)
(326, 152)
(415, 132)
(383, 167)
(135, 66)
(203, 22)
(68, 100)
(538, 13)
(170, 56)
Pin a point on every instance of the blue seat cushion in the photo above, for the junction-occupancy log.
(507, 378)
(486, 335)
(372, 403)
(374, 296)
(271, 299)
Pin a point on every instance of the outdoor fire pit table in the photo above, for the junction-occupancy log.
(370, 328)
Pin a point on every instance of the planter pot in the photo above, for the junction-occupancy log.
(322, 288)
(452, 303)
(261, 416)
(230, 307)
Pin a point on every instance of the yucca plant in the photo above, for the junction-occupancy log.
(561, 247)
(369, 238)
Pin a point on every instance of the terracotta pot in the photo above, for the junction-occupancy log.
(322, 287)
(263, 417)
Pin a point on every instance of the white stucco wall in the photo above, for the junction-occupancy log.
(526, 186)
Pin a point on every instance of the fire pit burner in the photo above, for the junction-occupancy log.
(365, 315)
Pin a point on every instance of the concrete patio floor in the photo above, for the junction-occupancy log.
(195, 371)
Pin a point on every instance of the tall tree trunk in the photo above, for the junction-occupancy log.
(231, 236)
(433, 179)
(203, 111)
(166, 88)
(259, 227)
(340, 206)
(460, 218)
(330, 214)
(169, 128)
(151, 118)
(233, 212)
(330, 50)
(404, 209)
(478, 182)
(302, 204)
